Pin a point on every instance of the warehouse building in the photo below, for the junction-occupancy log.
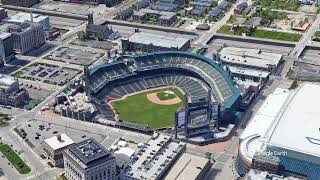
(250, 58)
(275, 138)
(148, 42)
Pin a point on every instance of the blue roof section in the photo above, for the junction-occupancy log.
(233, 88)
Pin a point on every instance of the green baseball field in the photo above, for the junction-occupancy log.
(140, 109)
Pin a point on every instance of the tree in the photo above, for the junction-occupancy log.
(294, 85)
(208, 155)
(82, 35)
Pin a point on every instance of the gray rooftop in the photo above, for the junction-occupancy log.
(158, 40)
(162, 14)
(89, 151)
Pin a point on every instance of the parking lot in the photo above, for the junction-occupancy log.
(38, 131)
(105, 45)
(65, 7)
(37, 94)
(74, 56)
(47, 73)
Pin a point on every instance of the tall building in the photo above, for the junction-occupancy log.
(6, 48)
(23, 3)
(26, 36)
(88, 160)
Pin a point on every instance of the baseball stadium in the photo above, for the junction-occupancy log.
(145, 91)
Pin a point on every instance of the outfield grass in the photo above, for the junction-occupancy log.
(138, 109)
(14, 159)
(283, 36)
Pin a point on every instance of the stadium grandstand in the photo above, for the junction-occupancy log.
(192, 73)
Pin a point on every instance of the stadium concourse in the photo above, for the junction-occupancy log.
(194, 74)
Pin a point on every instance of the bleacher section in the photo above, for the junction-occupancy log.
(194, 74)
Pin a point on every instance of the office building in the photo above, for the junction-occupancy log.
(53, 148)
(23, 3)
(89, 160)
(10, 93)
(275, 132)
(148, 42)
(6, 48)
(154, 158)
(29, 17)
(26, 36)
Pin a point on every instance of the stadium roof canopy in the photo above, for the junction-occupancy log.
(298, 126)
(221, 79)
(287, 121)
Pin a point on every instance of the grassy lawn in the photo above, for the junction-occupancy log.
(165, 96)
(138, 109)
(232, 19)
(283, 36)
(259, 33)
(280, 4)
(14, 159)
(4, 118)
(267, 13)
(227, 30)
(18, 132)
(317, 34)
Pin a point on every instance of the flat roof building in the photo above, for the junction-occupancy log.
(154, 42)
(189, 166)
(250, 58)
(155, 158)
(26, 17)
(89, 160)
(285, 126)
(53, 148)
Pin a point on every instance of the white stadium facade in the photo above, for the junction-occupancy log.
(283, 137)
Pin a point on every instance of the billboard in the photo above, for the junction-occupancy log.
(215, 111)
(198, 118)
(180, 118)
